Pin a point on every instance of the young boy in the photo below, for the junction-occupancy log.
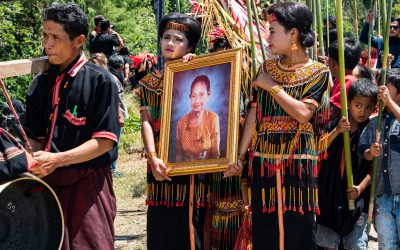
(335, 220)
(387, 200)
(352, 52)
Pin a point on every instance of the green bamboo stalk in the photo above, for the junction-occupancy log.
(320, 28)
(378, 17)
(178, 6)
(310, 6)
(260, 38)
(343, 96)
(371, 32)
(314, 10)
(252, 42)
(327, 26)
(355, 22)
(383, 15)
(379, 124)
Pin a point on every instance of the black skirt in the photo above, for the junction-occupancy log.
(299, 230)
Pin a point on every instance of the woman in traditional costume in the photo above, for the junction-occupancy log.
(197, 133)
(288, 114)
(167, 197)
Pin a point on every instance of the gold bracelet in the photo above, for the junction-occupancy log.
(275, 90)
(150, 154)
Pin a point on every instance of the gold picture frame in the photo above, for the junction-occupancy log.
(180, 140)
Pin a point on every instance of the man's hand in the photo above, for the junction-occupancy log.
(46, 163)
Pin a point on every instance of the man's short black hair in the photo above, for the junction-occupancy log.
(365, 88)
(104, 25)
(70, 16)
(97, 19)
(352, 52)
(332, 20)
(115, 61)
(393, 77)
(364, 72)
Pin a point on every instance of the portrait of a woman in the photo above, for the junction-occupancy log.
(198, 132)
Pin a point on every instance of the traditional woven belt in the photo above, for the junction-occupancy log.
(234, 205)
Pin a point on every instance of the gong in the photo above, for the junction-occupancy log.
(30, 215)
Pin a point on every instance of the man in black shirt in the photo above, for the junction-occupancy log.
(105, 40)
(72, 120)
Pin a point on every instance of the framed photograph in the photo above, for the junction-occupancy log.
(200, 119)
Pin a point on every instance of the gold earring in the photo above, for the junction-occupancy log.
(293, 47)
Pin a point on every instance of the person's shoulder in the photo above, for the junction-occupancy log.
(210, 114)
(153, 81)
(184, 120)
(101, 74)
(319, 67)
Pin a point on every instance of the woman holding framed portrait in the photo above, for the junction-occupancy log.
(288, 115)
(167, 197)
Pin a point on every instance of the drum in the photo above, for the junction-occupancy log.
(30, 215)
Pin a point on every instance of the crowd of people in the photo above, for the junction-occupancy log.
(290, 170)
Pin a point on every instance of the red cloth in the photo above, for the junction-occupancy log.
(335, 94)
(89, 206)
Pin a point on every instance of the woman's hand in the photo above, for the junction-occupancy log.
(343, 125)
(158, 169)
(264, 81)
(188, 57)
(233, 169)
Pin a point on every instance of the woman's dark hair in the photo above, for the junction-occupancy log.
(203, 79)
(124, 51)
(393, 77)
(295, 15)
(70, 16)
(352, 52)
(194, 32)
(365, 88)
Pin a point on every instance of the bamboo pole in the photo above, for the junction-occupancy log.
(327, 27)
(260, 38)
(320, 28)
(252, 41)
(315, 25)
(343, 96)
(378, 17)
(383, 15)
(371, 32)
(178, 6)
(386, 34)
(310, 6)
(355, 21)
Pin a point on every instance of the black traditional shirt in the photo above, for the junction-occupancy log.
(66, 109)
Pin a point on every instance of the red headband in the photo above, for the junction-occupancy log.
(178, 26)
(271, 18)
